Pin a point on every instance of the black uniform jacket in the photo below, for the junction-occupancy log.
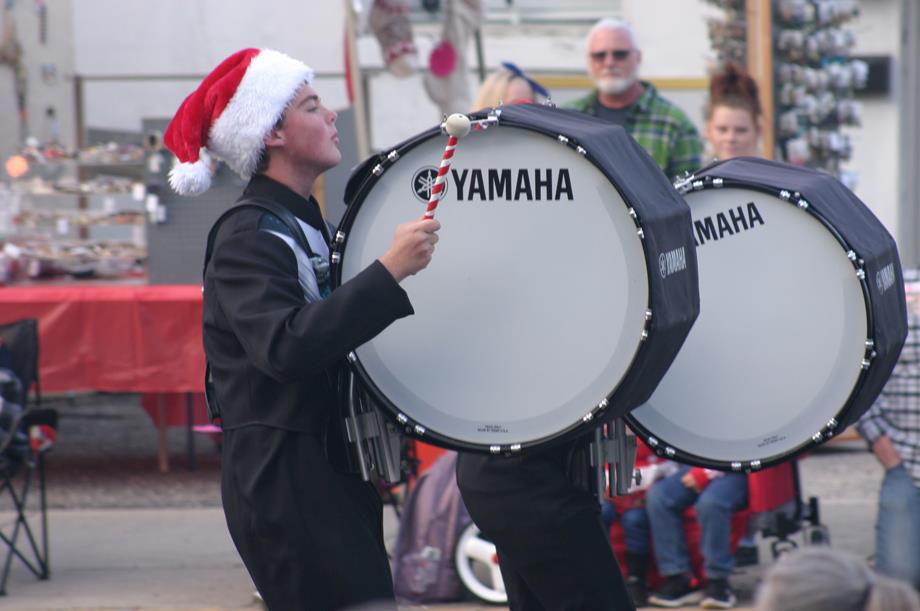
(271, 353)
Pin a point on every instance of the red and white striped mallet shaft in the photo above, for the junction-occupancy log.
(457, 126)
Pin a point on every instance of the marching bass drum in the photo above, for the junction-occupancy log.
(562, 285)
(802, 318)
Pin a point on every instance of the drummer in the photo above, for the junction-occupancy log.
(732, 129)
(552, 548)
(309, 532)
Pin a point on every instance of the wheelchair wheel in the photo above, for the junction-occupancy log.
(477, 566)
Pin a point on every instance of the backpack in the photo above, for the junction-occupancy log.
(432, 520)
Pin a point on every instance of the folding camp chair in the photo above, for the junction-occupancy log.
(27, 432)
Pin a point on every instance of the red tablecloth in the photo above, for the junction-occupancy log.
(114, 338)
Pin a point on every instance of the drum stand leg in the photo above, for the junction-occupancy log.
(376, 441)
(613, 455)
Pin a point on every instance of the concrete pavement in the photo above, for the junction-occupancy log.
(124, 536)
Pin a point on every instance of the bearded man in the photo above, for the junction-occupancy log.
(659, 126)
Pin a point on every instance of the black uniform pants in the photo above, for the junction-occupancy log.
(310, 536)
(553, 551)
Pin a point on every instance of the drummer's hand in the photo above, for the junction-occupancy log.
(690, 482)
(412, 247)
(886, 453)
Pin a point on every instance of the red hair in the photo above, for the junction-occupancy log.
(733, 87)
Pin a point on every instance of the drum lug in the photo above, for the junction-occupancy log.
(870, 343)
(682, 184)
(755, 465)
(378, 170)
(632, 213)
(803, 204)
(866, 363)
(648, 315)
(698, 185)
(515, 448)
(401, 418)
(736, 466)
(817, 437)
(392, 156)
(495, 450)
(851, 255)
(670, 452)
(718, 183)
(644, 335)
(419, 430)
(640, 233)
(352, 357)
(785, 195)
(652, 442)
(861, 274)
(339, 237)
(832, 424)
(581, 151)
(562, 139)
(335, 257)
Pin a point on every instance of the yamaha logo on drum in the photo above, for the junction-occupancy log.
(672, 262)
(728, 223)
(423, 182)
(884, 278)
(546, 184)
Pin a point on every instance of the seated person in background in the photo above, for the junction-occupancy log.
(826, 579)
(715, 495)
(508, 85)
(633, 516)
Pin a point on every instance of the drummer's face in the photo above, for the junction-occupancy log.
(308, 131)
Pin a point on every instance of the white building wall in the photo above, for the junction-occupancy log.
(875, 143)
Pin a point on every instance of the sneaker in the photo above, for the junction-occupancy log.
(718, 595)
(677, 591)
(637, 591)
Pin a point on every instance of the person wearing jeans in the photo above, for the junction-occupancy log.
(716, 496)
(892, 429)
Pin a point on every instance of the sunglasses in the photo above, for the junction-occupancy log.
(618, 54)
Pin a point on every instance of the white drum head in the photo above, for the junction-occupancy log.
(777, 349)
(532, 309)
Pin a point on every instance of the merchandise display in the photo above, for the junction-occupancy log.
(72, 214)
(814, 76)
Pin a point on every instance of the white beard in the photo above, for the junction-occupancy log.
(614, 85)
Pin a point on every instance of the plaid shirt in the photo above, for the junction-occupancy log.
(660, 127)
(896, 413)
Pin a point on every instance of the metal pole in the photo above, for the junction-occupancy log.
(352, 8)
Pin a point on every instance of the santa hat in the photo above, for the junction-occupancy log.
(230, 114)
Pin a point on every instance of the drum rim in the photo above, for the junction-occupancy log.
(594, 415)
(666, 450)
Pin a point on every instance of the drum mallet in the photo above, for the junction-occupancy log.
(456, 126)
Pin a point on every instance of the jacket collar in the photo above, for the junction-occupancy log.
(307, 210)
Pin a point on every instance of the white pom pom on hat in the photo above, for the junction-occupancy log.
(230, 114)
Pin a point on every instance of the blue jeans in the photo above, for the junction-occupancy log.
(897, 531)
(635, 526)
(668, 499)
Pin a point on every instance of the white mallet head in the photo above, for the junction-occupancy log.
(457, 125)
